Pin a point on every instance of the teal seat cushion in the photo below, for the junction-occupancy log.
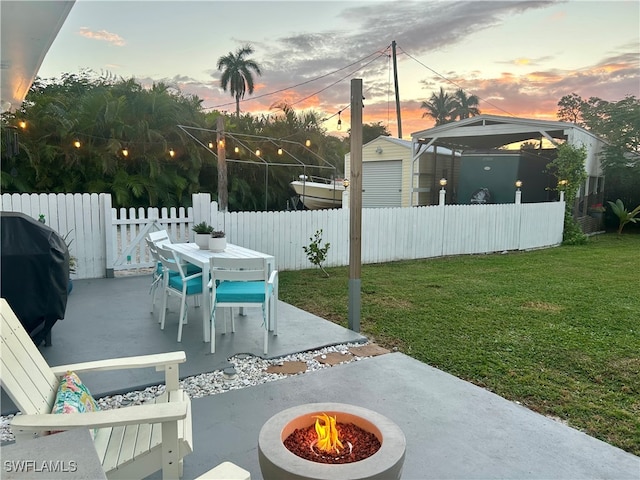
(190, 270)
(194, 286)
(230, 292)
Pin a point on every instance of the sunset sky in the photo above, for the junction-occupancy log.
(520, 58)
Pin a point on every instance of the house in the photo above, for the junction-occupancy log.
(390, 176)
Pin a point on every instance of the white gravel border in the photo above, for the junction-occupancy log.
(247, 371)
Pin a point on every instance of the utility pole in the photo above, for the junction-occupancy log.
(355, 206)
(395, 81)
(223, 192)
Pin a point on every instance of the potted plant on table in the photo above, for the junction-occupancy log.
(217, 241)
(202, 232)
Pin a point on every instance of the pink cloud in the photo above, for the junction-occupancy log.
(103, 35)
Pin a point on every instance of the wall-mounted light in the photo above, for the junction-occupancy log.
(172, 153)
(379, 150)
(443, 182)
(518, 184)
(221, 143)
(77, 144)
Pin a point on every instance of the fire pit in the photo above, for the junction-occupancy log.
(278, 462)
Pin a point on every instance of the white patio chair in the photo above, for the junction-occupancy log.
(131, 442)
(244, 282)
(159, 237)
(155, 239)
(178, 282)
(157, 274)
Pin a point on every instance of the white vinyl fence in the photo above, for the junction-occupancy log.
(106, 240)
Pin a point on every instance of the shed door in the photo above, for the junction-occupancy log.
(382, 184)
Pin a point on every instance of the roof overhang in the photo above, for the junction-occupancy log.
(492, 131)
(28, 30)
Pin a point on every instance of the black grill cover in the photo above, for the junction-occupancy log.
(35, 272)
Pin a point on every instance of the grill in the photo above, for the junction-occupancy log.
(35, 273)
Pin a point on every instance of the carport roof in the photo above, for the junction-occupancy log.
(492, 131)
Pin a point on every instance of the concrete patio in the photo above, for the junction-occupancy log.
(454, 429)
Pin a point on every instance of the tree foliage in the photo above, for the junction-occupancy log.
(617, 123)
(237, 73)
(568, 167)
(105, 117)
(109, 116)
(445, 108)
(441, 107)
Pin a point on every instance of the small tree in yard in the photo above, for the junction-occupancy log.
(624, 215)
(315, 252)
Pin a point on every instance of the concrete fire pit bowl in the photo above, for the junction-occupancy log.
(278, 463)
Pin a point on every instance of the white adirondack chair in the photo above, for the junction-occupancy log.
(131, 442)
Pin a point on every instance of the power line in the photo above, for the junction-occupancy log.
(453, 83)
(338, 81)
(302, 83)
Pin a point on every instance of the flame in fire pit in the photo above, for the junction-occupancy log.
(328, 440)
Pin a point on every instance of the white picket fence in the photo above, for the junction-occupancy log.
(105, 240)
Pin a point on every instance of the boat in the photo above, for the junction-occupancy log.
(318, 193)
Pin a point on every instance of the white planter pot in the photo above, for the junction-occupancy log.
(202, 240)
(217, 244)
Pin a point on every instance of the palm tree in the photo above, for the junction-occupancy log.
(441, 107)
(237, 74)
(467, 105)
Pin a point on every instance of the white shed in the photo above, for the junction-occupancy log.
(388, 172)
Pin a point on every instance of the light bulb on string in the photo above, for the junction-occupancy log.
(210, 145)
(258, 152)
(279, 150)
(125, 152)
(77, 144)
(307, 143)
(237, 149)
(172, 153)
(339, 121)
(23, 124)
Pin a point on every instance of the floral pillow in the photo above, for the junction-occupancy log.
(73, 396)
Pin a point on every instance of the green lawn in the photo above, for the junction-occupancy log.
(557, 330)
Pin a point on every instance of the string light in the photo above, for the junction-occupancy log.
(172, 153)
(211, 145)
(125, 152)
(237, 149)
(77, 144)
(339, 121)
(307, 143)
(279, 150)
(22, 124)
(258, 152)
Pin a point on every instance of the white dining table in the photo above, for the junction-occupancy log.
(191, 253)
